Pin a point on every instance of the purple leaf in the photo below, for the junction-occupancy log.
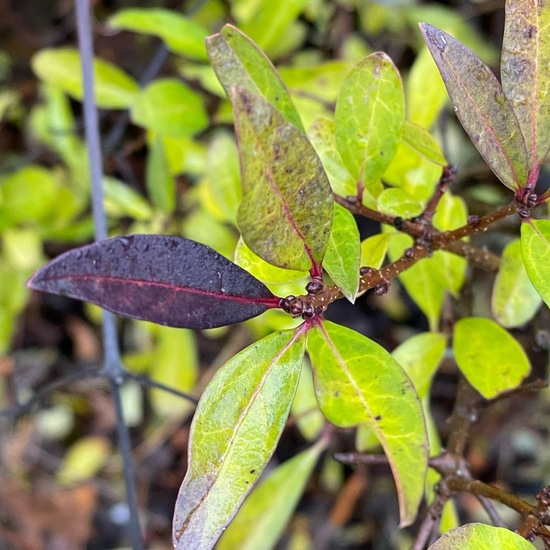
(167, 280)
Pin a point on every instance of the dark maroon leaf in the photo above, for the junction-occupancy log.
(167, 280)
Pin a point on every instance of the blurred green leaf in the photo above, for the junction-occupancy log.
(283, 181)
(60, 67)
(262, 518)
(525, 72)
(514, 301)
(181, 34)
(481, 106)
(373, 250)
(238, 422)
(535, 251)
(488, 356)
(369, 116)
(478, 536)
(169, 107)
(305, 410)
(239, 62)
(122, 200)
(161, 186)
(398, 202)
(343, 255)
(357, 381)
(423, 143)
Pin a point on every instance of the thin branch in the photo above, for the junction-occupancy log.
(146, 381)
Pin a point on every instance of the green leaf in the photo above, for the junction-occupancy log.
(357, 381)
(514, 300)
(343, 255)
(398, 202)
(423, 143)
(239, 62)
(263, 517)
(238, 422)
(478, 536)
(488, 356)
(373, 250)
(181, 34)
(121, 200)
(305, 410)
(286, 213)
(170, 108)
(481, 106)
(525, 72)
(535, 251)
(321, 135)
(369, 116)
(419, 356)
(114, 89)
(161, 186)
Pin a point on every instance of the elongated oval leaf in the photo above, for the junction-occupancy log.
(181, 34)
(263, 516)
(239, 420)
(286, 213)
(357, 381)
(114, 89)
(488, 356)
(423, 143)
(481, 106)
(525, 71)
(369, 116)
(167, 280)
(535, 251)
(160, 183)
(373, 250)
(239, 62)
(343, 254)
(514, 300)
(478, 536)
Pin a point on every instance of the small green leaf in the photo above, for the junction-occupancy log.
(121, 200)
(514, 300)
(525, 72)
(84, 459)
(305, 410)
(478, 536)
(373, 250)
(262, 518)
(423, 143)
(420, 356)
(369, 116)
(398, 202)
(488, 356)
(286, 213)
(535, 251)
(181, 34)
(357, 381)
(114, 89)
(239, 62)
(169, 107)
(161, 186)
(481, 106)
(343, 255)
(239, 419)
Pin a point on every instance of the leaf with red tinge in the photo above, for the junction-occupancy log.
(481, 106)
(167, 280)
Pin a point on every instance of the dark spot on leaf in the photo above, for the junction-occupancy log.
(253, 471)
(378, 417)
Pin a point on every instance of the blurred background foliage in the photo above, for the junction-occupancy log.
(171, 166)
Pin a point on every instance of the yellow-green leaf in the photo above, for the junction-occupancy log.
(478, 536)
(488, 356)
(161, 186)
(421, 141)
(514, 300)
(357, 381)
(373, 250)
(305, 410)
(535, 251)
(397, 202)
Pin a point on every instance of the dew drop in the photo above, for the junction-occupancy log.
(78, 254)
(455, 107)
(124, 242)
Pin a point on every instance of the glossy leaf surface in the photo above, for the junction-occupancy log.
(343, 253)
(488, 356)
(286, 213)
(114, 89)
(167, 280)
(239, 62)
(423, 143)
(514, 300)
(262, 518)
(369, 116)
(525, 71)
(236, 427)
(478, 536)
(181, 34)
(357, 381)
(535, 251)
(481, 106)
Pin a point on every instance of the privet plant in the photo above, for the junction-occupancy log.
(300, 191)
